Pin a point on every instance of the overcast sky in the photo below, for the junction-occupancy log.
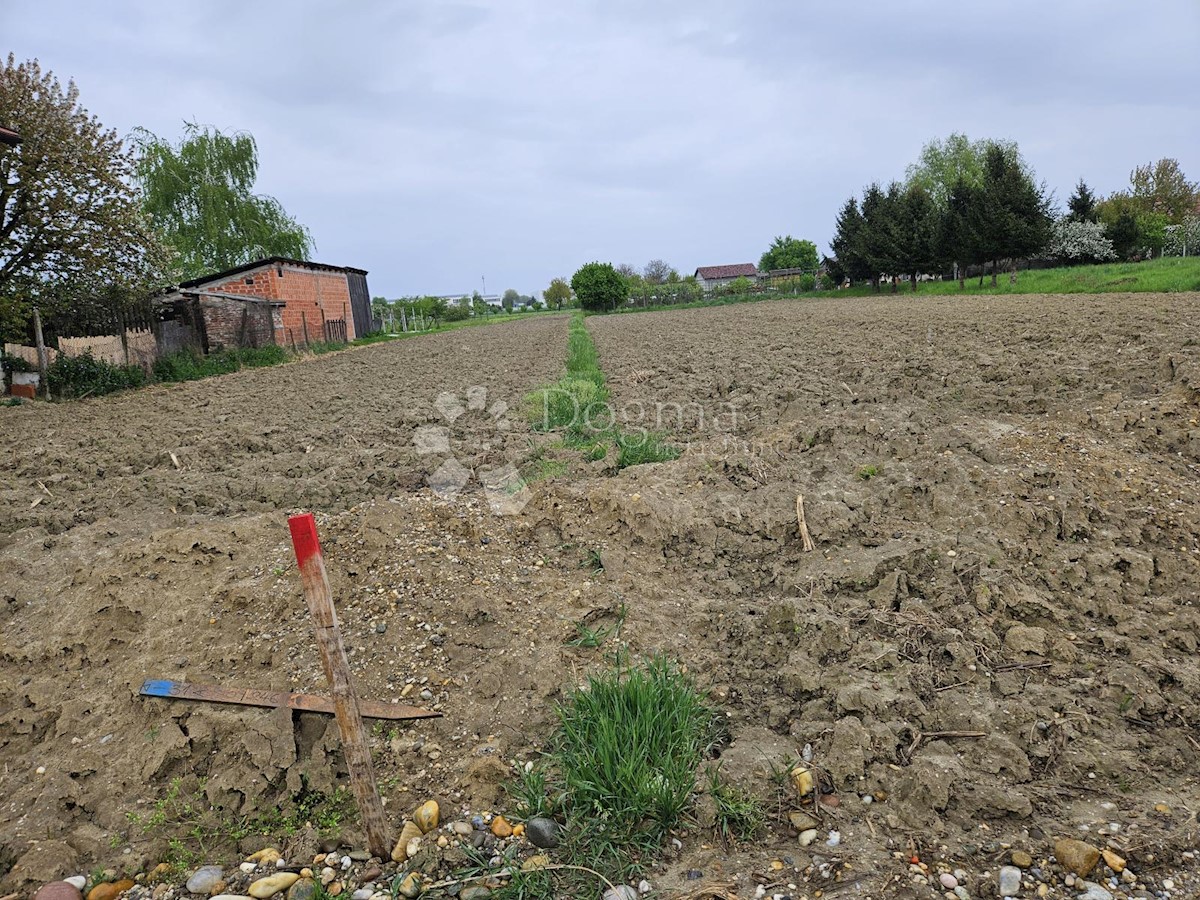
(439, 143)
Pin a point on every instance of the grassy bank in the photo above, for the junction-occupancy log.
(1169, 275)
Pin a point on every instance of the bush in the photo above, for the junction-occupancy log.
(84, 376)
(808, 282)
(190, 365)
(16, 364)
(599, 286)
(457, 313)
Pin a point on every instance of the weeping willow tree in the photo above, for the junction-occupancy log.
(199, 195)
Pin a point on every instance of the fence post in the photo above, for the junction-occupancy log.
(43, 359)
(337, 671)
(304, 322)
(124, 326)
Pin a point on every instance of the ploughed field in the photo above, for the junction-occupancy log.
(994, 638)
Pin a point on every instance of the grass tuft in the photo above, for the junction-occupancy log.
(740, 816)
(627, 748)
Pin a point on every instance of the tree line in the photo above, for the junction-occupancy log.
(978, 204)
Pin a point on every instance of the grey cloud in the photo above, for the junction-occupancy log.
(433, 143)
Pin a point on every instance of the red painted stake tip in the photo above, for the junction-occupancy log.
(304, 537)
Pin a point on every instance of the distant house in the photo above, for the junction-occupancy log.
(290, 302)
(710, 277)
(9, 137)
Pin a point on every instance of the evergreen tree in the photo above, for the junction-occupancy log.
(847, 245)
(1082, 204)
(1016, 211)
(958, 227)
(916, 234)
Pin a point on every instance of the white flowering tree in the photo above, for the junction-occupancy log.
(1080, 242)
(1183, 239)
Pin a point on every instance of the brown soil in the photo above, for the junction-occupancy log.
(1001, 492)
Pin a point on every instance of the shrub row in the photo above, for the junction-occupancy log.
(75, 377)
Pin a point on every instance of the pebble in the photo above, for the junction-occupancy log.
(304, 889)
(501, 828)
(410, 886)
(462, 829)
(426, 816)
(1113, 861)
(1076, 856)
(248, 867)
(272, 885)
(962, 893)
(362, 894)
(543, 833)
(621, 892)
(835, 838)
(801, 821)
(474, 892)
(359, 855)
(643, 886)
(1010, 881)
(1021, 859)
(808, 836)
(1168, 884)
(77, 881)
(231, 897)
(407, 833)
(58, 890)
(949, 882)
(1093, 891)
(109, 890)
(371, 874)
(327, 876)
(204, 879)
(427, 694)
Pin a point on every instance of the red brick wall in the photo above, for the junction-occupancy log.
(311, 294)
(308, 293)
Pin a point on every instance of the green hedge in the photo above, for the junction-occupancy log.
(86, 376)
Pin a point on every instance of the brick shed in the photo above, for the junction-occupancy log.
(307, 302)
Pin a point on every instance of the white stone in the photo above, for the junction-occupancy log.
(835, 838)
(1010, 881)
(808, 836)
(248, 867)
(77, 881)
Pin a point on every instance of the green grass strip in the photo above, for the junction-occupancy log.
(577, 405)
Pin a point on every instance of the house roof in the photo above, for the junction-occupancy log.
(737, 270)
(269, 261)
(10, 137)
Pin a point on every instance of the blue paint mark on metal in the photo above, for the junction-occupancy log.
(158, 688)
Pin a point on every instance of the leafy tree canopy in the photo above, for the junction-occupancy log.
(599, 286)
(200, 197)
(558, 294)
(957, 158)
(658, 271)
(1162, 188)
(789, 253)
(70, 224)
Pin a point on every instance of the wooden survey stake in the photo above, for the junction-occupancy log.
(337, 671)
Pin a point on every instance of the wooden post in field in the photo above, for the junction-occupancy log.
(304, 322)
(337, 672)
(43, 358)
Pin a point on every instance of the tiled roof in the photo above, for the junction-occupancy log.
(734, 271)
